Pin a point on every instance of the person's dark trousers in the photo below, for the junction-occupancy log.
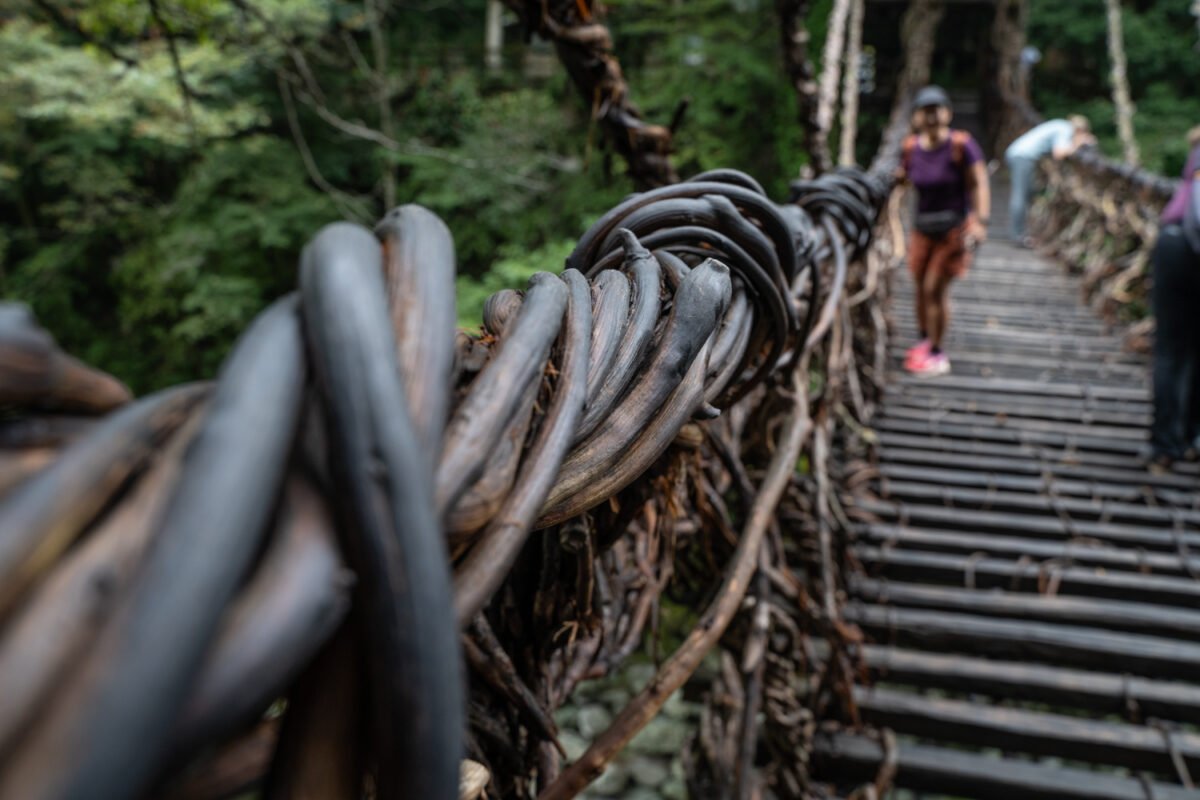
(1176, 304)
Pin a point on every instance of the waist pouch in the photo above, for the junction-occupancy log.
(938, 223)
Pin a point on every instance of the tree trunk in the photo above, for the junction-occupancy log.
(584, 46)
(795, 38)
(493, 37)
(383, 92)
(850, 83)
(1010, 90)
(1120, 83)
(918, 31)
(831, 71)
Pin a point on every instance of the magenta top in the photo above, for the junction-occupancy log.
(1173, 213)
(941, 184)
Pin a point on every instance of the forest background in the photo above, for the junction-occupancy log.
(162, 162)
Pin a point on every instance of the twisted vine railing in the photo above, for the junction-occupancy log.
(363, 499)
(1101, 217)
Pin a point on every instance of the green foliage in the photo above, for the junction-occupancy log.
(1163, 73)
(146, 229)
(724, 56)
(501, 194)
(511, 271)
(220, 252)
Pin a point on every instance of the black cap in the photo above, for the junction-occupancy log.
(931, 96)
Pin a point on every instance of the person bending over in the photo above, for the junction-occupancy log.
(1058, 138)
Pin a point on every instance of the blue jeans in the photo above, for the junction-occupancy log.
(1020, 171)
(1175, 297)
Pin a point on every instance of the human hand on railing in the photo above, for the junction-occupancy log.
(975, 233)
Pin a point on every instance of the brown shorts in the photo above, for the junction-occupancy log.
(946, 255)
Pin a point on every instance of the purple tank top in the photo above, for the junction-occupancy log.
(941, 184)
(1173, 213)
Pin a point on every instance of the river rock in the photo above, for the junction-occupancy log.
(593, 720)
(612, 781)
(574, 744)
(662, 736)
(649, 772)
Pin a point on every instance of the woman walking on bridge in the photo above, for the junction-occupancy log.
(953, 207)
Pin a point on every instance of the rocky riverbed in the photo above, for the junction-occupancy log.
(650, 768)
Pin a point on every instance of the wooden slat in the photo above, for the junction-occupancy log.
(1004, 386)
(1060, 645)
(1035, 455)
(1015, 464)
(1116, 615)
(1043, 408)
(1055, 487)
(945, 771)
(1054, 528)
(1081, 553)
(935, 418)
(1082, 441)
(1097, 692)
(1043, 504)
(1038, 733)
(1028, 576)
(999, 321)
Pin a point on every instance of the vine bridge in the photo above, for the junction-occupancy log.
(376, 554)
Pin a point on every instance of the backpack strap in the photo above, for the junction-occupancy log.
(958, 155)
(958, 146)
(910, 144)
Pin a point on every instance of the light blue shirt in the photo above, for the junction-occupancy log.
(1041, 140)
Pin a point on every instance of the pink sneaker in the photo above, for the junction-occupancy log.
(930, 365)
(916, 353)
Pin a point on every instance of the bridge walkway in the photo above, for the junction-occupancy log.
(1027, 589)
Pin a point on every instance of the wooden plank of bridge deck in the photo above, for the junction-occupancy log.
(1056, 389)
(1039, 733)
(1063, 348)
(1126, 492)
(1036, 366)
(980, 362)
(1061, 687)
(1040, 361)
(1022, 386)
(1053, 527)
(1039, 455)
(1129, 416)
(996, 573)
(1115, 615)
(1000, 311)
(1086, 553)
(1019, 320)
(1027, 464)
(944, 771)
(1042, 504)
(1097, 373)
(1056, 644)
(937, 418)
(1128, 412)
(1075, 440)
